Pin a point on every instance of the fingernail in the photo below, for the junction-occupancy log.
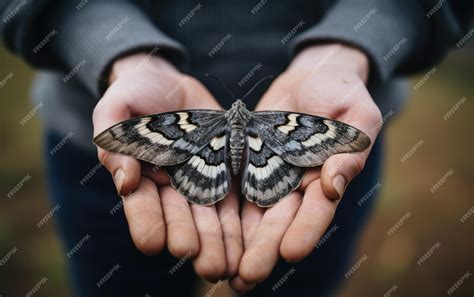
(119, 178)
(339, 183)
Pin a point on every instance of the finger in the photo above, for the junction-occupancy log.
(263, 251)
(145, 218)
(156, 174)
(241, 286)
(228, 212)
(182, 237)
(339, 170)
(210, 263)
(251, 217)
(310, 175)
(311, 221)
(125, 170)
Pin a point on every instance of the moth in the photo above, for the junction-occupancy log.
(202, 150)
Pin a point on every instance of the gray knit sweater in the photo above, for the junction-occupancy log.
(73, 43)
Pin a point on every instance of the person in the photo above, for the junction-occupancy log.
(111, 60)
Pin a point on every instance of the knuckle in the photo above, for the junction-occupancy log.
(148, 247)
(183, 251)
(358, 163)
(211, 269)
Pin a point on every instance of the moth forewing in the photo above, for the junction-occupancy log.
(201, 149)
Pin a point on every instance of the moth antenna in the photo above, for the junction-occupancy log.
(257, 84)
(222, 84)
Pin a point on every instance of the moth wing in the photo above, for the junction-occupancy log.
(306, 140)
(163, 139)
(267, 177)
(204, 179)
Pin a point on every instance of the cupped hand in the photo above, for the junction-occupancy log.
(328, 81)
(157, 215)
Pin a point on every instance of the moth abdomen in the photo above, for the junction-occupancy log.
(236, 144)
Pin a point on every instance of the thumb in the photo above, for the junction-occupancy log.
(125, 170)
(338, 171)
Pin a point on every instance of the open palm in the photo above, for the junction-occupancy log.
(322, 81)
(157, 215)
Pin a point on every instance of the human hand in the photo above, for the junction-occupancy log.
(328, 81)
(157, 215)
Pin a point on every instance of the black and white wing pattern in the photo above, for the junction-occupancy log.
(190, 143)
(163, 139)
(267, 177)
(306, 140)
(204, 178)
(281, 144)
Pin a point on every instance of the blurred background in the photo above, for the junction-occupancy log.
(418, 242)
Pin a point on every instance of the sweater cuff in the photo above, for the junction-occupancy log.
(388, 34)
(92, 37)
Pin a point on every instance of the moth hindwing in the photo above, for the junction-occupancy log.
(199, 147)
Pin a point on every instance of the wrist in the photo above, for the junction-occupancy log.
(338, 55)
(136, 62)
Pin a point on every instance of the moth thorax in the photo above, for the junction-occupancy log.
(237, 144)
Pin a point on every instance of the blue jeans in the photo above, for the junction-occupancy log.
(104, 262)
